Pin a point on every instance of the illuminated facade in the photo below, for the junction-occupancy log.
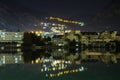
(90, 37)
(10, 41)
(53, 27)
(59, 42)
(50, 29)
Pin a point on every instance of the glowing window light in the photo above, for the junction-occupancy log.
(32, 31)
(53, 24)
(59, 49)
(45, 24)
(36, 32)
(16, 60)
(32, 62)
(41, 23)
(4, 62)
(67, 21)
(36, 61)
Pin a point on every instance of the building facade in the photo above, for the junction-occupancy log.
(10, 42)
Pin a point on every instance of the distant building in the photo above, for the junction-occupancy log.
(90, 38)
(59, 42)
(10, 41)
(73, 35)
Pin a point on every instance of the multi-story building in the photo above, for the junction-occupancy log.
(10, 41)
(91, 38)
(59, 42)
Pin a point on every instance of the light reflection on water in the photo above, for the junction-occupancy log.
(61, 63)
(53, 68)
(85, 71)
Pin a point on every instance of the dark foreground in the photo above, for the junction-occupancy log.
(95, 71)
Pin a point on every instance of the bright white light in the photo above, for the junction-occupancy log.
(16, 60)
(41, 70)
(53, 69)
(53, 24)
(45, 24)
(77, 49)
(77, 45)
(81, 23)
(46, 75)
(59, 49)
(18, 45)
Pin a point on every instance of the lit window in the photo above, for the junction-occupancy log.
(59, 49)
(16, 60)
(77, 49)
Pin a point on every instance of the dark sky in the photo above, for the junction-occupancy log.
(80, 10)
(60, 7)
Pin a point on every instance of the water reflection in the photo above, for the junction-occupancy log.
(9, 58)
(58, 67)
(69, 71)
(59, 61)
(73, 55)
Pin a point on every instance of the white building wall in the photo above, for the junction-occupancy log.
(11, 36)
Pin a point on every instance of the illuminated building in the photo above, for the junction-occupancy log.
(10, 41)
(90, 37)
(59, 42)
(48, 27)
(51, 29)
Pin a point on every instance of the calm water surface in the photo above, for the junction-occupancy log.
(94, 71)
(93, 66)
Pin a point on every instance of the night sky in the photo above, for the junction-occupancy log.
(97, 14)
(60, 7)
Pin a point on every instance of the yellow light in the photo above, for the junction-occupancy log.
(60, 20)
(36, 32)
(66, 72)
(65, 21)
(58, 75)
(73, 70)
(62, 61)
(77, 70)
(51, 17)
(32, 31)
(40, 32)
(51, 75)
(36, 61)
